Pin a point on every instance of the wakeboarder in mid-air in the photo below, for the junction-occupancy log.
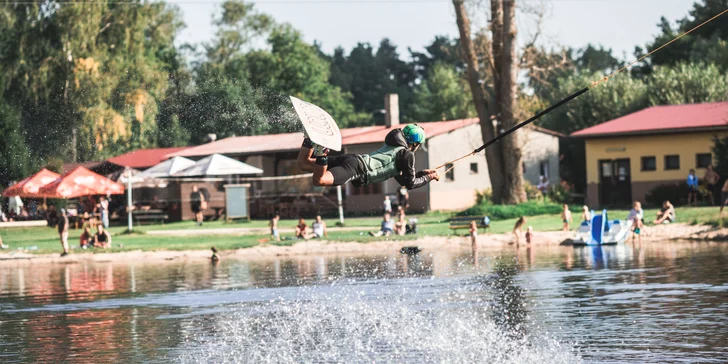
(395, 159)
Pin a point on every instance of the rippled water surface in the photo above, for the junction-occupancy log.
(658, 303)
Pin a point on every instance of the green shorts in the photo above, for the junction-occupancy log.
(637, 231)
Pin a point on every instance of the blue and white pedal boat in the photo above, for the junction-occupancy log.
(601, 231)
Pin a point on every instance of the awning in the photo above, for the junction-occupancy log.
(81, 182)
(29, 187)
(218, 165)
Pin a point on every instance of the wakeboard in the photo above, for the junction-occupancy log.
(319, 125)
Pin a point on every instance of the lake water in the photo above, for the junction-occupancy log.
(659, 303)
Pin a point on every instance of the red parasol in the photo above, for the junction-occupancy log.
(81, 182)
(29, 187)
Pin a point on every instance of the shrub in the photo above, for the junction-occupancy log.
(532, 192)
(484, 197)
(560, 194)
(676, 193)
(501, 212)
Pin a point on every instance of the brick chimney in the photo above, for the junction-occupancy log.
(391, 110)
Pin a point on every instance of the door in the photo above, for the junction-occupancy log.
(615, 183)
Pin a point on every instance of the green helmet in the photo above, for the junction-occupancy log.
(414, 134)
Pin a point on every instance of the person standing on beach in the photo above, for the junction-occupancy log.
(274, 227)
(103, 208)
(387, 205)
(403, 197)
(63, 231)
(518, 228)
(723, 196)
(473, 233)
(711, 179)
(585, 214)
(566, 217)
(196, 201)
(692, 187)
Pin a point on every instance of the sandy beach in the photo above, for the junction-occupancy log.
(324, 247)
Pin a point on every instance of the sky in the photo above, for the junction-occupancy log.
(616, 24)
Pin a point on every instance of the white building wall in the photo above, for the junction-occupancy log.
(541, 155)
(458, 193)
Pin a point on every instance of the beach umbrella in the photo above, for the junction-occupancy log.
(218, 165)
(30, 186)
(81, 182)
(167, 168)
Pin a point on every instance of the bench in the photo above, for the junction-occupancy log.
(149, 215)
(463, 222)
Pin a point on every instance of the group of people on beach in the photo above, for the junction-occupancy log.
(302, 230)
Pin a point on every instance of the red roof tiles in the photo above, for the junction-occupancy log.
(663, 119)
(144, 158)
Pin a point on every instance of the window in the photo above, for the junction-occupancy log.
(450, 175)
(703, 160)
(649, 163)
(543, 168)
(473, 168)
(672, 162)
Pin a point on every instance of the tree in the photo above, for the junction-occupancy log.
(14, 153)
(442, 95)
(496, 111)
(293, 67)
(369, 75)
(687, 83)
(706, 44)
(86, 72)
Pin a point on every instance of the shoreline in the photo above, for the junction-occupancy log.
(331, 247)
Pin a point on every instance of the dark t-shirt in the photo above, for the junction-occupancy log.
(195, 198)
(62, 222)
(101, 237)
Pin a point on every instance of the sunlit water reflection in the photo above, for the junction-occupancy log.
(661, 303)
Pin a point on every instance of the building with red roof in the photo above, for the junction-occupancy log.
(144, 158)
(629, 156)
(446, 140)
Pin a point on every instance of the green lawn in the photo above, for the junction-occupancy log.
(45, 240)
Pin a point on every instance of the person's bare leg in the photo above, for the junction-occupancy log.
(321, 176)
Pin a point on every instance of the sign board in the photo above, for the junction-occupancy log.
(319, 125)
(237, 203)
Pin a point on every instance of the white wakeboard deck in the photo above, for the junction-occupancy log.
(319, 125)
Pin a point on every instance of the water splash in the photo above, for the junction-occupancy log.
(430, 322)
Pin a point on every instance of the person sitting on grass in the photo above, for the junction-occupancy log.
(566, 217)
(387, 227)
(301, 229)
(102, 238)
(519, 228)
(319, 228)
(274, 228)
(86, 238)
(666, 214)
